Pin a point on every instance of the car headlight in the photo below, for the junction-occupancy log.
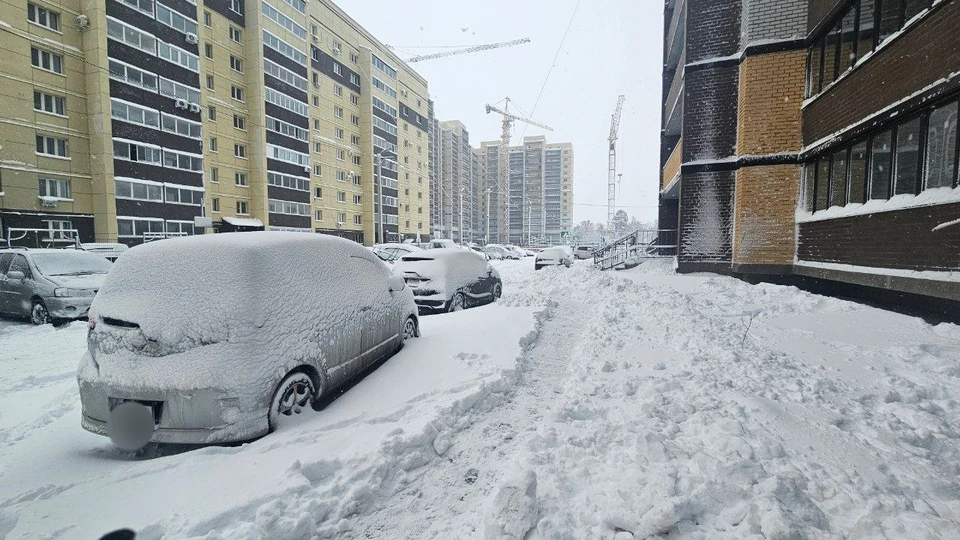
(74, 293)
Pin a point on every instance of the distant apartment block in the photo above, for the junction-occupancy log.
(135, 117)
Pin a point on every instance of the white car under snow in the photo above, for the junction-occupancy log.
(449, 279)
(215, 338)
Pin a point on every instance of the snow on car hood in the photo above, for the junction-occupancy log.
(285, 293)
(87, 281)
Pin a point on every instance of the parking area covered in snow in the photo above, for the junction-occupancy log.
(582, 405)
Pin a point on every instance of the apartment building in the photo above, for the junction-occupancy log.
(539, 191)
(814, 142)
(459, 187)
(149, 114)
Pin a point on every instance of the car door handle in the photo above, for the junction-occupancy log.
(367, 308)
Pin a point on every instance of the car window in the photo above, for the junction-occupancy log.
(70, 263)
(20, 264)
(5, 262)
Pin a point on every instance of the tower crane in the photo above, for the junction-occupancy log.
(466, 50)
(504, 176)
(612, 179)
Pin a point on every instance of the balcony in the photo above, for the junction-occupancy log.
(673, 105)
(671, 168)
(676, 35)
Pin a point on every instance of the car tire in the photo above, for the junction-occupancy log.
(39, 314)
(457, 303)
(294, 393)
(410, 329)
(497, 292)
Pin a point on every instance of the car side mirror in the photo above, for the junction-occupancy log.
(16, 274)
(397, 283)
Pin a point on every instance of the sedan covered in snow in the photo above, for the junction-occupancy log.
(391, 252)
(554, 256)
(217, 338)
(49, 285)
(449, 280)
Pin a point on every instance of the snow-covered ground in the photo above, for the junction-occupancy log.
(583, 405)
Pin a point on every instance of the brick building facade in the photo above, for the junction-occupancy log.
(815, 142)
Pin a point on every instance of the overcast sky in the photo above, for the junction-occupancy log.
(614, 47)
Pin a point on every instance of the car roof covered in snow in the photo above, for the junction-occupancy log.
(217, 284)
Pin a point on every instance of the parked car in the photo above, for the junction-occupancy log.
(110, 252)
(49, 285)
(391, 252)
(554, 256)
(509, 252)
(443, 243)
(500, 251)
(584, 252)
(449, 280)
(479, 251)
(217, 338)
(493, 254)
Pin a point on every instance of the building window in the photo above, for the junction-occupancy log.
(341, 196)
(43, 17)
(52, 187)
(215, 205)
(182, 160)
(138, 152)
(338, 90)
(881, 161)
(209, 82)
(838, 179)
(337, 69)
(341, 218)
(207, 19)
(208, 50)
(357, 199)
(355, 79)
(235, 34)
(316, 147)
(316, 101)
(338, 132)
(138, 190)
(354, 119)
(355, 58)
(857, 192)
(355, 140)
(46, 60)
(355, 99)
(236, 64)
(318, 192)
(240, 151)
(316, 124)
(214, 175)
(907, 163)
(175, 20)
(357, 219)
(317, 170)
(239, 122)
(242, 208)
(318, 215)
(51, 146)
(356, 160)
(338, 111)
(341, 176)
(236, 93)
(940, 168)
(212, 113)
(341, 154)
(213, 144)
(49, 103)
(240, 178)
(853, 34)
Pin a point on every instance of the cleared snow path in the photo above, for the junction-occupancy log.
(474, 459)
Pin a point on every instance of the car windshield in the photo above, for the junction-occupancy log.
(70, 263)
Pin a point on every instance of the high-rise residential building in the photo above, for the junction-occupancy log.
(459, 188)
(147, 114)
(807, 142)
(539, 194)
(434, 168)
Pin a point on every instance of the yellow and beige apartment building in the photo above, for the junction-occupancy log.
(131, 119)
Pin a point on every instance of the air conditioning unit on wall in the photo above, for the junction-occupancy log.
(191, 38)
(181, 103)
(195, 107)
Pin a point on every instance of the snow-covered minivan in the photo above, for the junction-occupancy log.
(216, 338)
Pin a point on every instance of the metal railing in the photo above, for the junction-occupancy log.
(632, 249)
(43, 238)
(151, 236)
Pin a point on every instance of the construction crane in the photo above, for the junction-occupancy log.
(466, 50)
(612, 179)
(504, 176)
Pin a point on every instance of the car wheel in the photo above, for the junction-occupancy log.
(39, 314)
(458, 303)
(295, 392)
(409, 329)
(497, 292)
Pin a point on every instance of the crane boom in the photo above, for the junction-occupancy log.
(612, 179)
(512, 117)
(467, 50)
